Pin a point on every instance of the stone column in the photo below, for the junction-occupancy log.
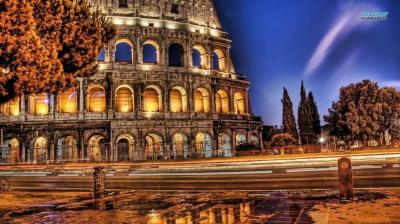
(81, 105)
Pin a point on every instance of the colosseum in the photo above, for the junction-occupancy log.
(166, 89)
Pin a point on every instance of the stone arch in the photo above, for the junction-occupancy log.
(199, 57)
(203, 145)
(124, 51)
(124, 99)
(254, 139)
(96, 99)
(176, 54)
(222, 102)
(180, 146)
(67, 149)
(125, 148)
(178, 100)
(97, 149)
(152, 99)
(10, 151)
(151, 52)
(39, 104)
(38, 152)
(154, 147)
(219, 60)
(240, 138)
(10, 108)
(225, 144)
(239, 103)
(201, 100)
(67, 101)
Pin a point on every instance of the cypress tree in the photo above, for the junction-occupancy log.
(315, 119)
(288, 120)
(304, 118)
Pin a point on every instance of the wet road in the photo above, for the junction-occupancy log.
(279, 179)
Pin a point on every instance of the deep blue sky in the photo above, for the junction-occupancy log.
(278, 43)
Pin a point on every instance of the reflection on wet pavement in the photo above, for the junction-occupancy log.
(174, 208)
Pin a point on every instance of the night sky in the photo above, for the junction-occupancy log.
(278, 43)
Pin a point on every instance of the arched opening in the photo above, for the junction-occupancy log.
(254, 140)
(152, 99)
(222, 102)
(123, 52)
(126, 149)
(154, 149)
(180, 146)
(219, 63)
(201, 101)
(175, 55)
(40, 150)
(96, 99)
(123, 150)
(10, 108)
(102, 55)
(239, 105)
(150, 52)
(122, 3)
(10, 151)
(68, 101)
(67, 149)
(97, 149)
(39, 104)
(199, 57)
(124, 100)
(240, 139)
(224, 142)
(203, 145)
(178, 100)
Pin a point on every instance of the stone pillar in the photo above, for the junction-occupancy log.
(139, 54)
(231, 101)
(51, 106)
(247, 104)
(345, 179)
(99, 190)
(22, 107)
(81, 105)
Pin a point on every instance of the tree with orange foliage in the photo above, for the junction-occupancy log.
(45, 45)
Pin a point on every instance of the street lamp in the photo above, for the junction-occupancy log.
(321, 141)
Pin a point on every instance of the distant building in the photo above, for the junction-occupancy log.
(166, 89)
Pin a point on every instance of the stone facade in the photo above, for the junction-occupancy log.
(166, 89)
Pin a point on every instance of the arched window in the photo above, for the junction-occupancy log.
(150, 53)
(102, 55)
(178, 100)
(239, 103)
(10, 151)
(254, 139)
(222, 102)
(199, 59)
(96, 99)
(123, 53)
(201, 101)
(152, 99)
(10, 108)
(154, 147)
(39, 104)
(126, 149)
(68, 101)
(219, 60)
(124, 100)
(203, 145)
(175, 55)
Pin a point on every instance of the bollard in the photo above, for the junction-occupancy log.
(99, 190)
(345, 179)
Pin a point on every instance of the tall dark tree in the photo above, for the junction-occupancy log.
(45, 45)
(315, 119)
(304, 118)
(288, 120)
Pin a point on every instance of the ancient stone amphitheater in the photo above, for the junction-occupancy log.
(166, 89)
